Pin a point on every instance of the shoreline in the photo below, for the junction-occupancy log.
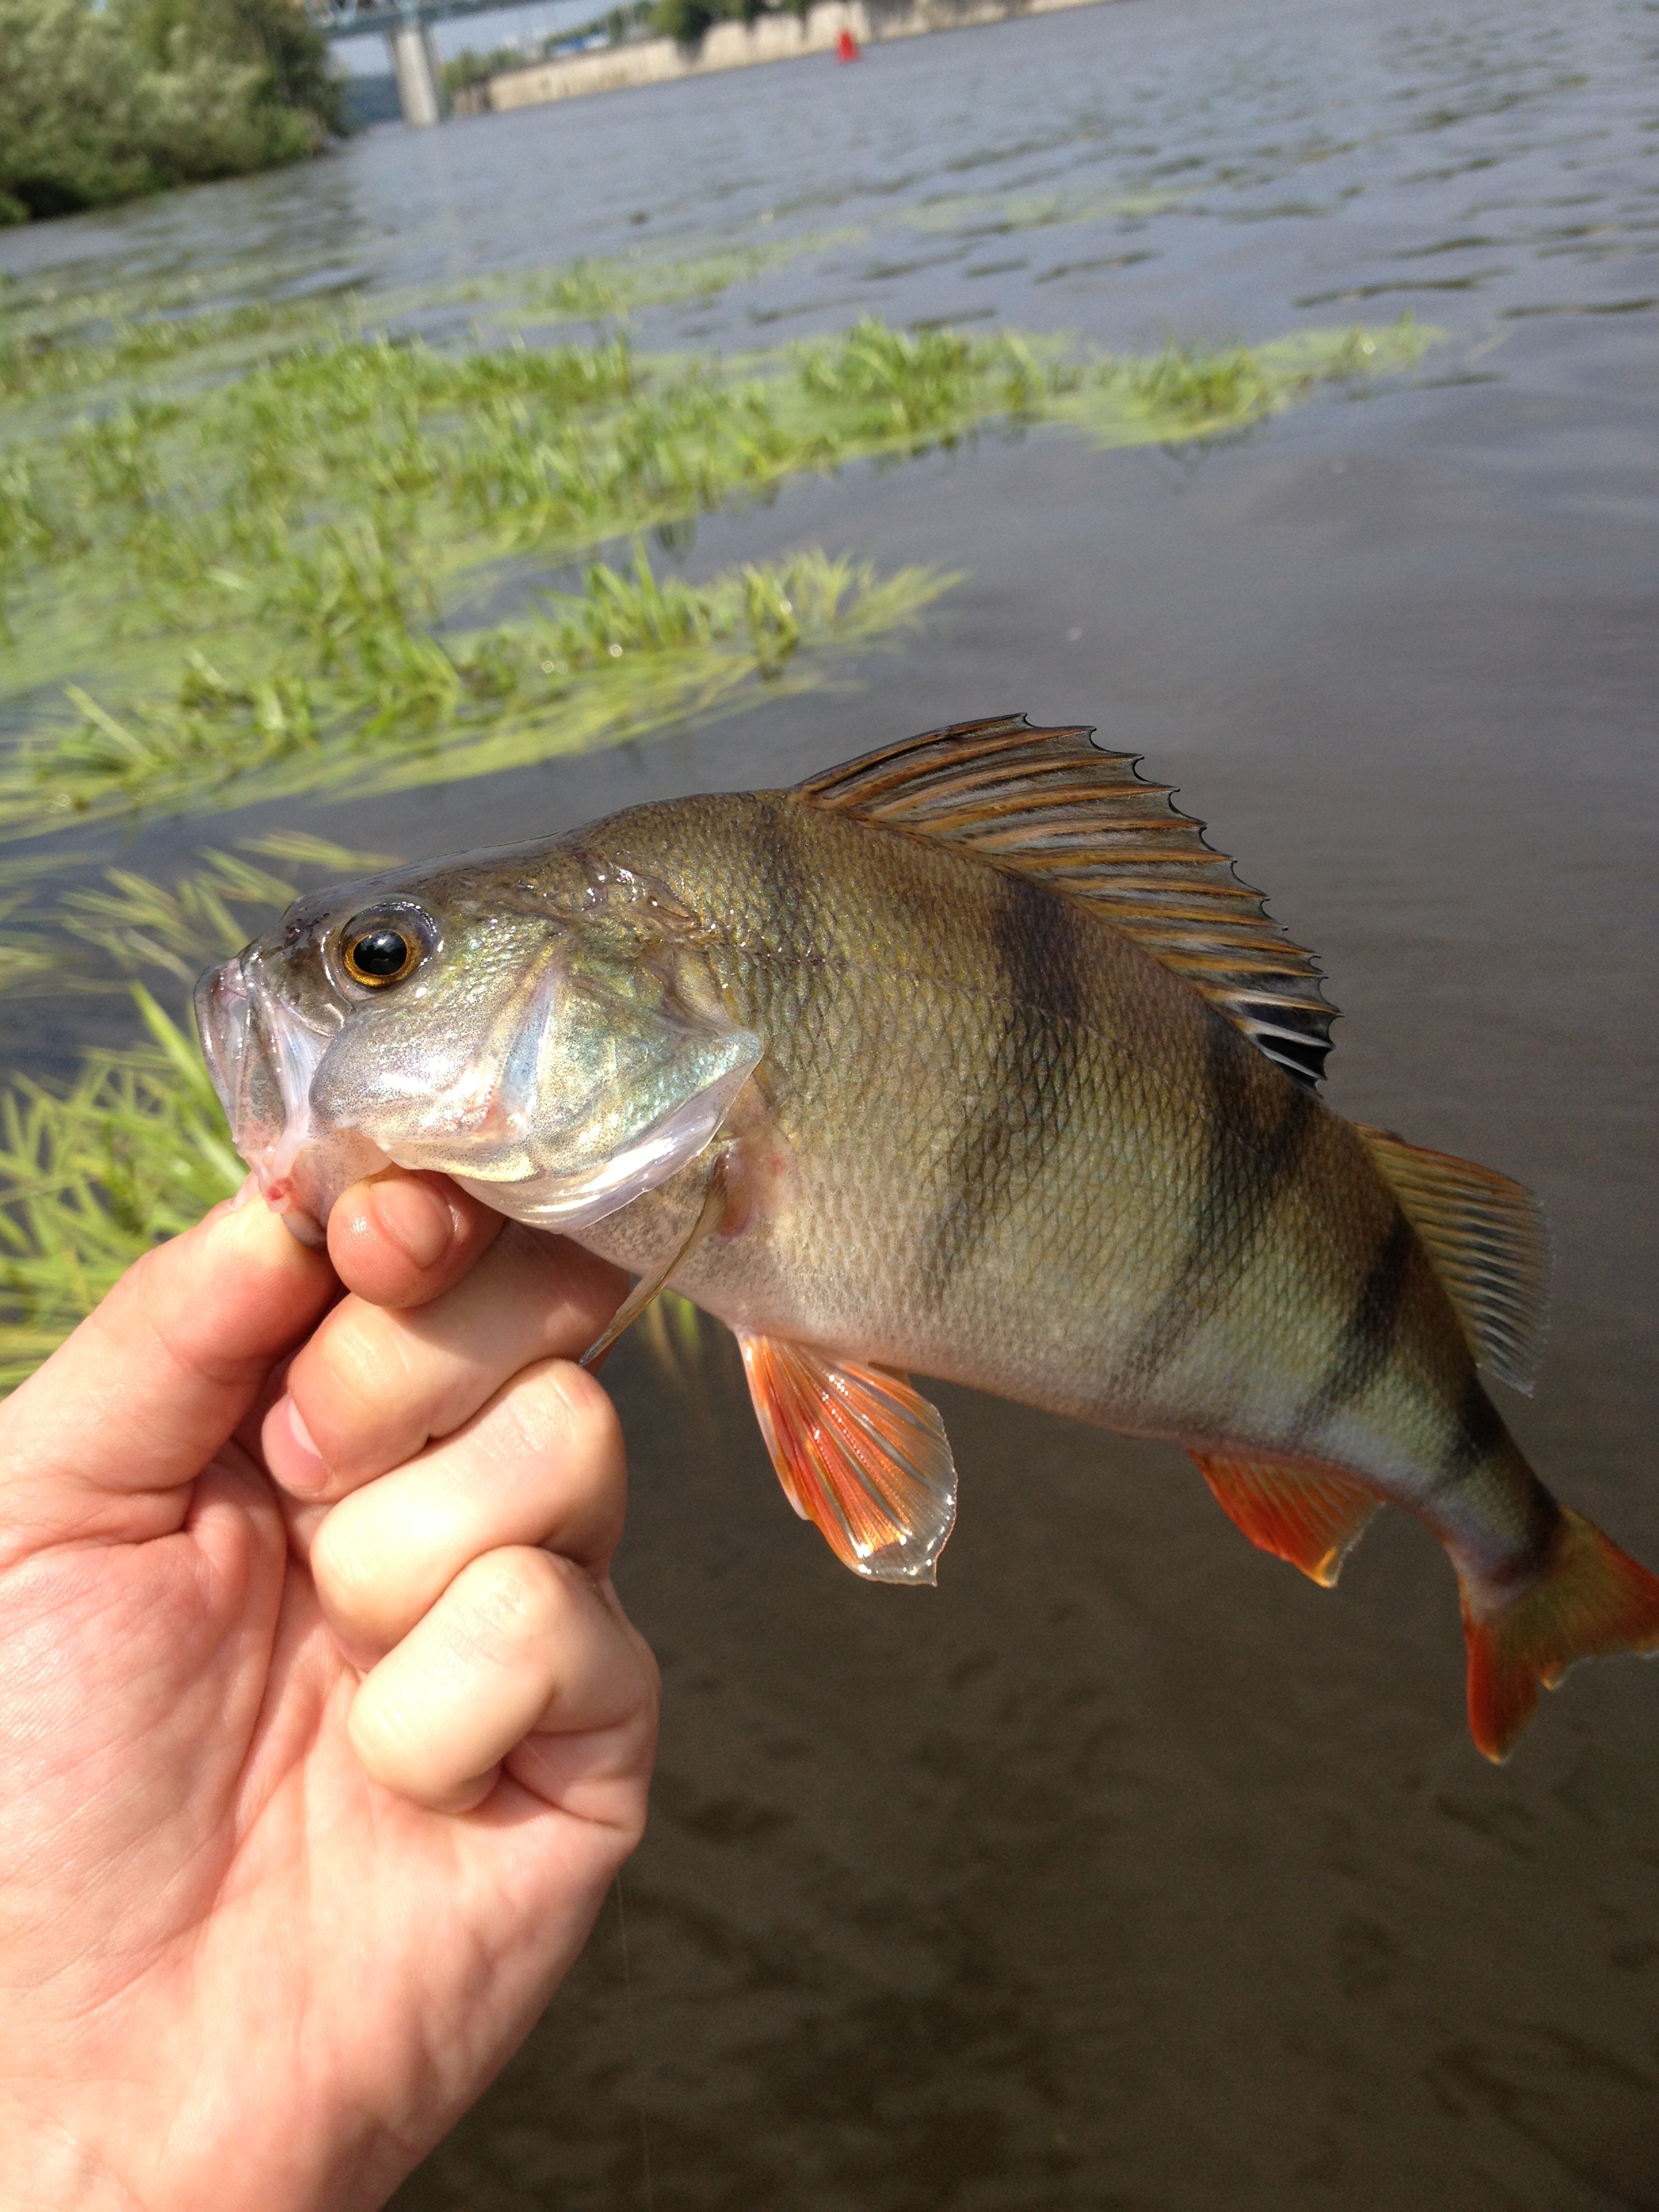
(729, 45)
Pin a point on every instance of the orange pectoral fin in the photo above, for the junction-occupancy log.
(1311, 1516)
(859, 1452)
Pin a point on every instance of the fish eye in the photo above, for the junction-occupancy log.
(380, 949)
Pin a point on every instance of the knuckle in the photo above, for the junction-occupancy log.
(146, 1300)
(353, 1371)
(556, 1407)
(342, 1566)
(357, 1351)
(388, 1731)
(647, 1672)
(507, 1602)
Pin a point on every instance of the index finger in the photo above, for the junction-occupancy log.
(371, 1387)
(103, 1440)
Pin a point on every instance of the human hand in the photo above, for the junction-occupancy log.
(310, 1787)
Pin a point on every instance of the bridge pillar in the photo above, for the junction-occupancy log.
(420, 81)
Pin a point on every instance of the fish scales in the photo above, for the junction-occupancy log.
(969, 1060)
(1022, 1155)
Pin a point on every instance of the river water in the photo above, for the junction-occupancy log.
(1128, 1869)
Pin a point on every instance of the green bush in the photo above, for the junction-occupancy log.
(684, 20)
(272, 36)
(687, 20)
(107, 105)
(468, 68)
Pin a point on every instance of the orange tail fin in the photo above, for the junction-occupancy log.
(1593, 1600)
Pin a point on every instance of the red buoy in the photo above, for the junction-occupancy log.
(847, 47)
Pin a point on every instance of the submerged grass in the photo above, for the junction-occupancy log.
(383, 703)
(137, 1148)
(95, 936)
(145, 332)
(136, 1151)
(324, 529)
(257, 551)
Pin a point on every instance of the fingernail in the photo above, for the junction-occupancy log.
(416, 1220)
(303, 1467)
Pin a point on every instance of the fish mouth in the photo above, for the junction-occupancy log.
(263, 1058)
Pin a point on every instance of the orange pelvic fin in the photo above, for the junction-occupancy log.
(859, 1452)
(1593, 1600)
(1311, 1516)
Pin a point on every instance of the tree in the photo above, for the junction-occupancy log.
(101, 107)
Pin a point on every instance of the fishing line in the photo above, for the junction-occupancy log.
(633, 2042)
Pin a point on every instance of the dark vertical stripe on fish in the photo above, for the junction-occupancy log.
(1477, 1431)
(1020, 1107)
(1366, 1338)
(1513, 1532)
(1240, 1184)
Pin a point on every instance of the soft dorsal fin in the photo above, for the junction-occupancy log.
(1049, 804)
(1490, 1247)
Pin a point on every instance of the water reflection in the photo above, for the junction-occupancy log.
(1178, 117)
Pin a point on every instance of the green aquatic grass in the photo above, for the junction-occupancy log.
(36, 365)
(593, 291)
(383, 704)
(359, 471)
(136, 1151)
(1201, 386)
(326, 528)
(97, 935)
(1186, 393)
(250, 551)
(149, 333)
(137, 1148)
(30, 956)
(879, 387)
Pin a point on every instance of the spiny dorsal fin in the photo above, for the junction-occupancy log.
(1489, 1243)
(1048, 804)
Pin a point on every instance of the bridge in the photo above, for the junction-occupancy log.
(405, 25)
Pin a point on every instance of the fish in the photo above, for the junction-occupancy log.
(969, 1057)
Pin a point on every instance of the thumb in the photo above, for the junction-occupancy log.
(102, 1441)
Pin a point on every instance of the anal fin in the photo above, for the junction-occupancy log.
(1312, 1516)
(859, 1453)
